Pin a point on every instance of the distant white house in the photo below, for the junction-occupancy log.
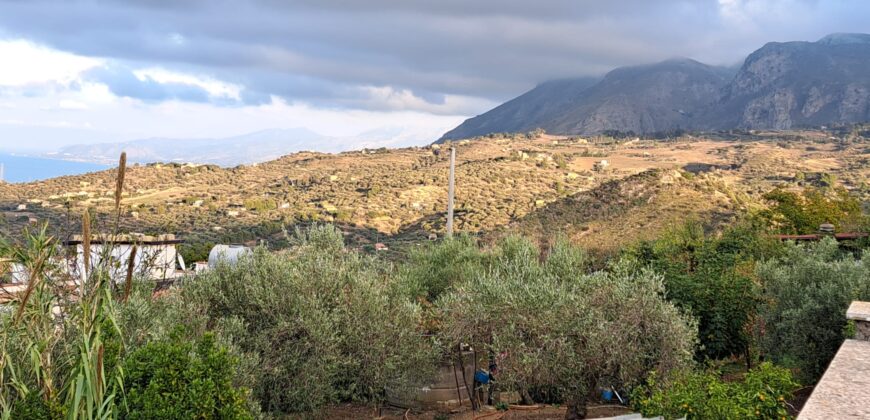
(156, 258)
(601, 165)
(11, 272)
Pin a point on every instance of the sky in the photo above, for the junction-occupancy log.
(107, 71)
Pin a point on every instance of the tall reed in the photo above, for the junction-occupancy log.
(57, 344)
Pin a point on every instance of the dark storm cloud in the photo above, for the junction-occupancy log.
(332, 51)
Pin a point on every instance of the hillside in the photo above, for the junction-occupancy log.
(527, 112)
(780, 86)
(537, 186)
(798, 84)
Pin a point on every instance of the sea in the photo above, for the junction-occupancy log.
(28, 169)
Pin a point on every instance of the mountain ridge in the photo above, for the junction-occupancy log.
(782, 85)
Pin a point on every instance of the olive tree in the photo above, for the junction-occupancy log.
(806, 293)
(323, 323)
(549, 328)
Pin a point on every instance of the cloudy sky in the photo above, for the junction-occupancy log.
(104, 71)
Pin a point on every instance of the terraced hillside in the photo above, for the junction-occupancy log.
(535, 184)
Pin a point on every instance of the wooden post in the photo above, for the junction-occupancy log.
(450, 190)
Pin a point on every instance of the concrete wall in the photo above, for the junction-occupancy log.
(152, 261)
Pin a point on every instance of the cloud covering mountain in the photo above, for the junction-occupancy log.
(779, 86)
(78, 70)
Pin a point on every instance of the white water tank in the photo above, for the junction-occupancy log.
(229, 254)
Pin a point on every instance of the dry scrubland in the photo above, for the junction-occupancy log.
(536, 185)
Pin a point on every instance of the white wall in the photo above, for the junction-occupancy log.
(153, 261)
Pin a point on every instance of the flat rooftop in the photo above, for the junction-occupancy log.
(844, 390)
(127, 239)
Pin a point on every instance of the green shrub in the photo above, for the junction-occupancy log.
(806, 293)
(320, 324)
(713, 277)
(260, 204)
(560, 161)
(704, 395)
(181, 379)
(803, 213)
(434, 269)
(34, 407)
(193, 251)
(553, 327)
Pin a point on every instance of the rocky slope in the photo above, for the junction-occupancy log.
(798, 84)
(527, 112)
(539, 186)
(780, 86)
(643, 99)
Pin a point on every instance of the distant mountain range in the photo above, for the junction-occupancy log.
(249, 148)
(780, 86)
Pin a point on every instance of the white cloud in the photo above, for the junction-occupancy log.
(25, 63)
(68, 100)
(214, 87)
(389, 98)
(121, 119)
(71, 104)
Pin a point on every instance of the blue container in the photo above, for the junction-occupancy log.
(481, 377)
(607, 395)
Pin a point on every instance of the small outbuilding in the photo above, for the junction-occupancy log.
(156, 257)
(228, 254)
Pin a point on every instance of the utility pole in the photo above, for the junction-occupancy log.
(450, 188)
(2, 173)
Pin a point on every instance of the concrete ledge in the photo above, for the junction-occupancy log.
(842, 393)
(858, 311)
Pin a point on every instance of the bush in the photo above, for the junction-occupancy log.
(806, 294)
(713, 277)
(434, 269)
(703, 395)
(323, 324)
(35, 407)
(260, 204)
(555, 327)
(803, 213)
(193, 251)
(182, 379)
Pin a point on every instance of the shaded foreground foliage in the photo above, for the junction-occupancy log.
(294, 331)
(202, 372)
(804, 300)
(704, 395)
(551, 325)
(713, 277)
(318, 325)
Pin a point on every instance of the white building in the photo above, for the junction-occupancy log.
(600, 165)
(156, 257)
